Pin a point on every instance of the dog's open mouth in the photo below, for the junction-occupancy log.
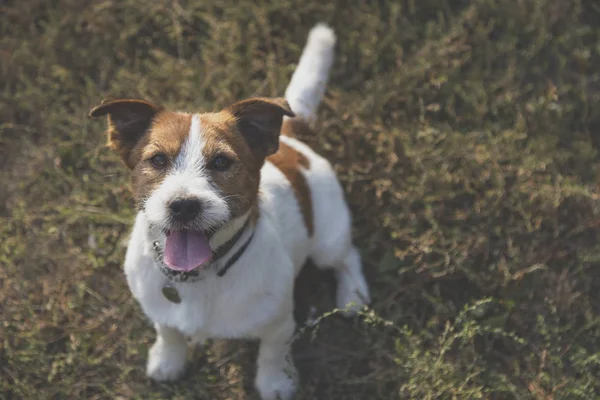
(186, 250)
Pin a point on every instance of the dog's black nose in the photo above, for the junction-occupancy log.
(184, 210)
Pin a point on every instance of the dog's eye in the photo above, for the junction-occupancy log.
(220, 163)
(159, 160)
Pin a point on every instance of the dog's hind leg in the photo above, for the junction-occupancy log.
(352, 289)
(341, 256)
(333, 249)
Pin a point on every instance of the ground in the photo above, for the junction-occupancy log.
(466, 137)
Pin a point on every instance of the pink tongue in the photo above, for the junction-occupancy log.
(186, 250)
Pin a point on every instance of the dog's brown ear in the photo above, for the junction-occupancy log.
(128, 120)
(259, 121)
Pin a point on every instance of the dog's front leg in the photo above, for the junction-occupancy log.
(167, 357)
(276, 375)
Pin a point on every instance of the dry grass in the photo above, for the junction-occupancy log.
(465, 134)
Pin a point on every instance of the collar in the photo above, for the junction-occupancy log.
(195, 275)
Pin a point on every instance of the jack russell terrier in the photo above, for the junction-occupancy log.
(231, 206)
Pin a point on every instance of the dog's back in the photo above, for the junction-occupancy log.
(310, 212)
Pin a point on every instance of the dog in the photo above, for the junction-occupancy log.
(231, 206)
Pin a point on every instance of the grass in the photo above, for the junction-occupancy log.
(465, 134)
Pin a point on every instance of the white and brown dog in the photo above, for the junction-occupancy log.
(229, 211)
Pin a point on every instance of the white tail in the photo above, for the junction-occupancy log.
(307, 86)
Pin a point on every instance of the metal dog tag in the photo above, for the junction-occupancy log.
(171, 294)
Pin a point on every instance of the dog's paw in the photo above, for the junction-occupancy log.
(277, 385)
(166, 363)
(352, 296)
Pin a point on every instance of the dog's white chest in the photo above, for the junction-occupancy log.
(231, 306)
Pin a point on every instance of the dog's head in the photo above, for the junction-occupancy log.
(193, 173)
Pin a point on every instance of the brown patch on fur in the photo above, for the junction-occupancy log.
(138, 130)
(168, 132)
(289, 161)
(128, 121)
(259, 120)
(246, 132)
(239, 183)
